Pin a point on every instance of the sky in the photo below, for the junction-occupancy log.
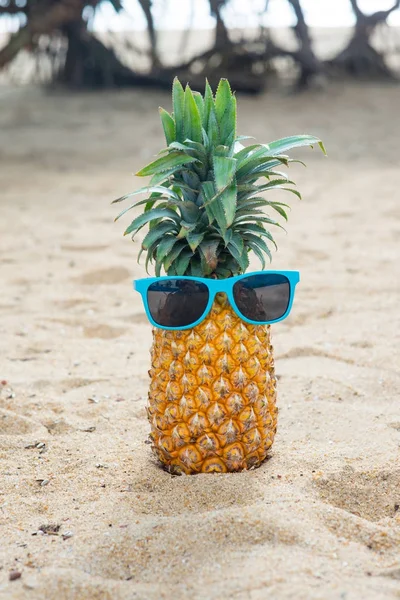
(176, 14)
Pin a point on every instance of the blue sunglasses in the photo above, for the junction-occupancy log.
(259, 298)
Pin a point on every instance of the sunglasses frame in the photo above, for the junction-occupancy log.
(214, 287)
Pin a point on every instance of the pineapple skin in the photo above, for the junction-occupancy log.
(212, 397)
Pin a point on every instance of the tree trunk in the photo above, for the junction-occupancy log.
(309, 64)
(146, 7)
(90, 64)
(222, 39)
(359, 58)
(17, 42)
(41, 20)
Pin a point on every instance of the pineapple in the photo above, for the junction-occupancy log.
(212, 398)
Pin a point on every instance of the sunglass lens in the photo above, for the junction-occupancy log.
(262, 297)
(177, 302)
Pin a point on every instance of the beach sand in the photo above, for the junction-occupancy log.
(320, 519)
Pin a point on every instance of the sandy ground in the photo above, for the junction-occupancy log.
(321, 518)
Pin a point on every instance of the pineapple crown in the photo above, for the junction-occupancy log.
(203, 207)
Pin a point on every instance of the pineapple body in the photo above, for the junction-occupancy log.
(212, 397)
(212, 394)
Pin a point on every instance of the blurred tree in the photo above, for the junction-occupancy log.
(310, 66)
(221, 32)
(360, 58)
(88, 62)
(146, 7)
(234, 60)
(247, 62)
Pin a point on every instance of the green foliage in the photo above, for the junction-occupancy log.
(204, 207)
(168, 124)
(192, 118)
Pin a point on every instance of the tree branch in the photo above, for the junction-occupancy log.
(41, 22)
(360, 58)
(185, 36)
(305, 56)
(12, 10)
(146, 7)
(359, 14)
(382, 15)
(301, 28)
(221, 32)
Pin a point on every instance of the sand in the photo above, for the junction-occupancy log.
(320, 519)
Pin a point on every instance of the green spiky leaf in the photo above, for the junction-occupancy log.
(294, 141)
(173, 159)
(182, 262)
(255, 242)
(156, 234)
(209, 256)
(198, 98)
(189, 212)
(165, 247)
(168, 124)
(173, 254)
(225, 108)
(238, 251)
(194, 240)
(196, 269)
(213, 131)
(153, 189)
(224, 171)
(155, 213)
(245, 228)
(178, 106)
(207, 194)
(208, 105)
(165, 178)
(192, 118)
(205, 206)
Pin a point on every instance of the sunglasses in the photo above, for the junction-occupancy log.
(258, 298)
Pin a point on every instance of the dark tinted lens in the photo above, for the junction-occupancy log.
(263, 297)
(177, 302)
